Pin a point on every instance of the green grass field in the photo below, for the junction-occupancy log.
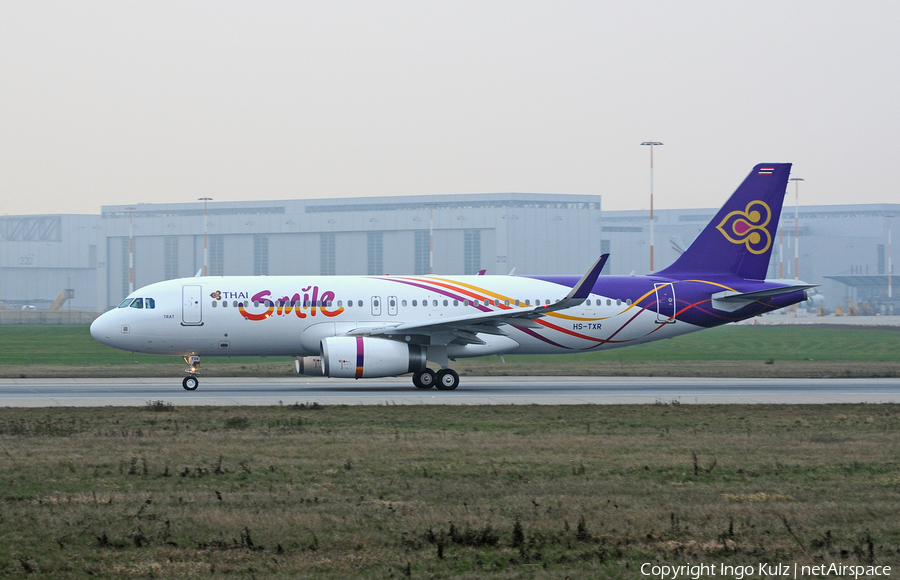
(580, 492)
(74, 346)
(34, 351)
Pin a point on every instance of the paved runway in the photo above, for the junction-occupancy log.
(472, 391)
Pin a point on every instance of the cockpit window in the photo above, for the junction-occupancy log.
(148, 303)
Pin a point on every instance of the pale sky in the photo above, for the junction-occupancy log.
(114, 102)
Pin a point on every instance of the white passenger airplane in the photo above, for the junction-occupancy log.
(379, 326)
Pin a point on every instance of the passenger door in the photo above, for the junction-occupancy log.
(191, 305)
(665, 303)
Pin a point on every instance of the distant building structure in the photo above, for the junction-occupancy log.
(553, 234)
(843, 248)
(42, 255)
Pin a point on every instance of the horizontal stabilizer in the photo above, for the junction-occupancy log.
(729, 301)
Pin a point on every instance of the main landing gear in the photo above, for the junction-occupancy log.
(444, 379)
(191, 382)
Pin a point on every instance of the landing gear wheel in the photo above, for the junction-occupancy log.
(424, 379)
(447, 380)
(191, 382)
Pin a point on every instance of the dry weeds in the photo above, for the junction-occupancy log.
(380, 492)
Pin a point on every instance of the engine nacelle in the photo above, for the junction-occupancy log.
(361, 357)
(310, 366)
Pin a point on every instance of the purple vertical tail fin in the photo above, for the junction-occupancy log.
(739, 240)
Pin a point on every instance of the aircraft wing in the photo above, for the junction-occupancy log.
(463, 329)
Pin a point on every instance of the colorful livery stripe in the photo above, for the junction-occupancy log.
(360, 357)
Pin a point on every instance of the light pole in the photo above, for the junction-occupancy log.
(781, 252)
(890, 268)
(205, 236)
(651, 144)
(796, 181)
(431, 239)
(130, 250)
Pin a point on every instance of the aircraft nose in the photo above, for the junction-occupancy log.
(101, 329)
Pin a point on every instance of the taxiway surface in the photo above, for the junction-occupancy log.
(472, 391)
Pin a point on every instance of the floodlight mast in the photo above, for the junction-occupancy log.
(205, 236)
(890, 267)
(796, 181)
(130, 249)
(651, 144)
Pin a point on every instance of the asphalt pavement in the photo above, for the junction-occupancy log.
(85, 392)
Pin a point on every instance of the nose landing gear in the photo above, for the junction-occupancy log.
(191, 382)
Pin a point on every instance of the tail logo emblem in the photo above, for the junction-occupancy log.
(748, 227)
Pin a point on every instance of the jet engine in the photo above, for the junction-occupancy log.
(363, 357)
(310, 366)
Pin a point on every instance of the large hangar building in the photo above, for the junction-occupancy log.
(845, 249)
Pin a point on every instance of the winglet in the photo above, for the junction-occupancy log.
(578, 294)
(583, 289)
